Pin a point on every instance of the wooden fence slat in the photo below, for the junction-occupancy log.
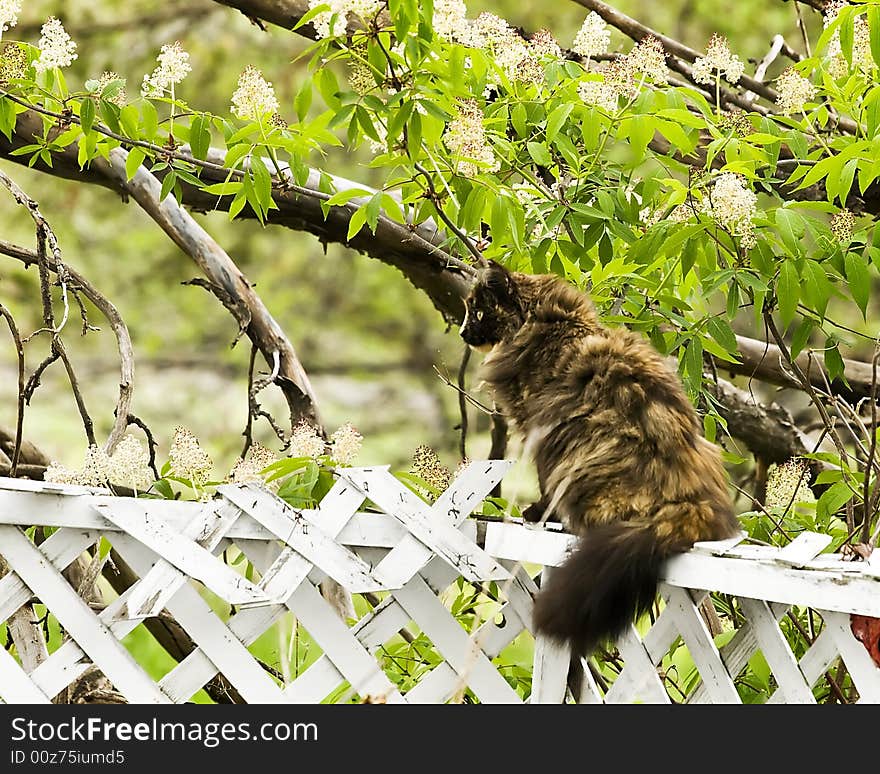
(304, 537)
(738, 650)
(77, 618)
(211, 634)
(149, 594)
(466, 658)
(60, 548)
(814, 663)
(859, 664)
(186, 555)
(16, 687)
(777, 651)
(432, 532)
(719, 684)
(803, 549)
(649, 688)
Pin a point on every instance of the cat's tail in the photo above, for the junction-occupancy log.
(609, 579)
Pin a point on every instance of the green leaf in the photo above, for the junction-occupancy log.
(692, 363)
(557, 118)
(149, 120)
(874, 27)
(356, 223)
(801, 336)
(833, 361)
(134, 160)
(87, 114)
(859, 280)
(788, 291)
(200, 136)
(539, 153)
(791, 228)
(167, 184)
(833, 499)
(303, 100)
(720, 330)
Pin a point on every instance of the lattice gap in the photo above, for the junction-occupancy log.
(408, 564)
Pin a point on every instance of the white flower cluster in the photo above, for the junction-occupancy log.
(624, 76)
(345, 444)
(794, 91)
(788, 484)
(719, 59)
(188, 460)
(465, 137)
(305, 441)
(250, 469)
(520, 59)
(332, 23)
(9, 11)
(119, 96)
(732, 204)
(593, 37)
(862, 58)
(128, 466)
(173, 67)
(600, 94)
(842, 225)
(450, 20)
(56, 47)
(254, 97)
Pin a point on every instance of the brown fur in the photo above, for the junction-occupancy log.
(618, 447)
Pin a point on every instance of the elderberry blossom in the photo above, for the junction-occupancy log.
(842, 225)
(794, 91)
(542, 43)
(305, 441)
(254, 96)
(330, 24)
(648, 59)
(732, 205)
(593, 38)
(9, 11)
(450, 20)
(117, 97)
(250, 469)
(861, 57)
(345, 444)
(427, 466)
(188, 460)
(173, 68)
(719, 59)
(788, 484)
(97, 469)
(129, 465)
(57, 473)
(465, 137)
(13, 63)
(56, 47)
(600, 94)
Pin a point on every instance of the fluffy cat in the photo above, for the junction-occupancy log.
(618, 447)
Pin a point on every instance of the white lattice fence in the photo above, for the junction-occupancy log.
(405, 554)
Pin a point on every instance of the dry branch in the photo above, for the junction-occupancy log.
(227, 282)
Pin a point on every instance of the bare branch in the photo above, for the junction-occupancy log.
(220, 270)
(120, 329)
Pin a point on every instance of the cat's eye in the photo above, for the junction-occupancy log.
(479, 315)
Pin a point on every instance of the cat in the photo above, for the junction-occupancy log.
(619, 450)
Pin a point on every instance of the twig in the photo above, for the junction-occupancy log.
(866, 518)
(19, 412)
(131, 419)
(117, 324)
(462, 401)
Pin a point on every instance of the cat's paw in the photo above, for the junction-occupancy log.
(534, 513)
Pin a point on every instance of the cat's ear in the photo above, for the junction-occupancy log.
(499, 280)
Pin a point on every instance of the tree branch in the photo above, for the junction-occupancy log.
(235, 291)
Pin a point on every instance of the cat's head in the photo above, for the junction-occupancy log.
(494, 309)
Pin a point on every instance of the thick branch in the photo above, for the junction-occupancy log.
(227, 282)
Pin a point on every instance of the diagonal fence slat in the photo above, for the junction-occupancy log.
(78, 619)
